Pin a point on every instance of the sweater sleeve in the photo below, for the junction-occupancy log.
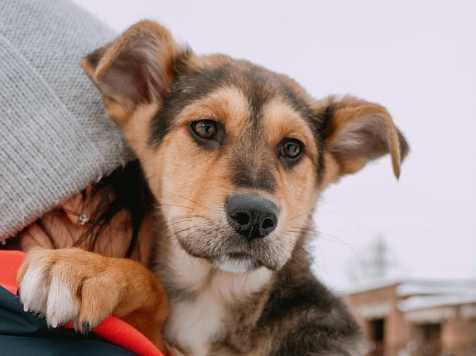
(55, 138)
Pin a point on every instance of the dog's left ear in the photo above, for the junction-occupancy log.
(136, 68)
(356, 132)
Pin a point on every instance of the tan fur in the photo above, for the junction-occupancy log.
(227, 105)
(281, 120)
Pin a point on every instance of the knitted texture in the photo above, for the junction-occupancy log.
(55, 138)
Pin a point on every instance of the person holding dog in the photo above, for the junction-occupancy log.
(63, 164)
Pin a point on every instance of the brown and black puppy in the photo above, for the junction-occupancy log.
(236, 157)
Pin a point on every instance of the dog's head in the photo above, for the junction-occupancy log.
(235, 154)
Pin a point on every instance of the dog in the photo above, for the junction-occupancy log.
(236, 157)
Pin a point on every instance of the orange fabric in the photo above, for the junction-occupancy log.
(10, 262)
(112, 329)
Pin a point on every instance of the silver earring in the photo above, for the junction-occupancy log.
(83, 219)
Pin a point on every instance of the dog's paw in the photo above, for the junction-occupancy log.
(68, 285)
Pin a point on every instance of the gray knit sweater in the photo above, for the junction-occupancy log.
(55, 138)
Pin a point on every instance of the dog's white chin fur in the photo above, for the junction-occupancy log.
(233, 265)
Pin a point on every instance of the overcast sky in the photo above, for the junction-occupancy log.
(417, 58)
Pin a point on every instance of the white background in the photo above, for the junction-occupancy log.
(417, 58)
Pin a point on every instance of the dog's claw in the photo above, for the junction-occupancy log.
(85, 328)
(54, 322)
(26, 307)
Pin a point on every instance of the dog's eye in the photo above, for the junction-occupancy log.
(291, 149)
(208, 134)
(205, 129)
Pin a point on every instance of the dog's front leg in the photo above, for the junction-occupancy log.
(73, 285)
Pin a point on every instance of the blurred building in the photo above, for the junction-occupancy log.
(418, 317)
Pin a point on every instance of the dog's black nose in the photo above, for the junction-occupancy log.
(251, 216)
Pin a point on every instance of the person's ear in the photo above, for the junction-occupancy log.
(136, 68)
(356, 132)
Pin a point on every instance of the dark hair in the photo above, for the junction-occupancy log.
(125, 189)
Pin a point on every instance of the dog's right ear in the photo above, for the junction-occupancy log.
(136, 68)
